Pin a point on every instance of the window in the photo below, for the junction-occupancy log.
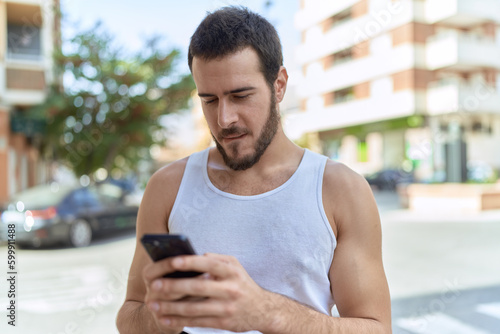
(338, 58)
(344, 95)
(337, 19)
(109, 193)
(23, 42)
(342, 56)
(339, 96)
(85, 197)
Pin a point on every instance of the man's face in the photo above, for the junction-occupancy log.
(239, 106)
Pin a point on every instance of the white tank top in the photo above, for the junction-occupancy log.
(281, 237)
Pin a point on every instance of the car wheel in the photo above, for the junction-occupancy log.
(80, 233)
(24, 245)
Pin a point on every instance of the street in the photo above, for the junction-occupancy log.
(442, 270)
(65, 290)
(443, 274)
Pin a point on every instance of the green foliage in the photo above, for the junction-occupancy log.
(492, 178)
(106, 113)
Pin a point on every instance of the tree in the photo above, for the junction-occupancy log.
(105, 111)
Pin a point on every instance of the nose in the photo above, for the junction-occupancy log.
(226, 115)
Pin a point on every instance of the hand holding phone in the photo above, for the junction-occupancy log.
(161, 246)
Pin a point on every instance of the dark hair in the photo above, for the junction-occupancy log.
(231, 29)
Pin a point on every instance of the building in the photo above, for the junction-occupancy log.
(28, 32)
(410, 83)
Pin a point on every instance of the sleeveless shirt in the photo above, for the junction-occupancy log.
(281, 237)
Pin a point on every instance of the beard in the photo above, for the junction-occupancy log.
(265, 138)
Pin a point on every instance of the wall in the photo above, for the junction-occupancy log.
(4, 133)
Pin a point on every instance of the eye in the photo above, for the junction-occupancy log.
(209, 101)
(241, 97)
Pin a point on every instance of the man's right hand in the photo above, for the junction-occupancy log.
(152, 275)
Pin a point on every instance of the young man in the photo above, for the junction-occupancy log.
(285, 233)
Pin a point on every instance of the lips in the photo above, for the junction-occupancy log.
(233, 137)
(236, 135)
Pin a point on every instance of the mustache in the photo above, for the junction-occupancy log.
(231, 132)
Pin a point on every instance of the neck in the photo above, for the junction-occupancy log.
(278, 163)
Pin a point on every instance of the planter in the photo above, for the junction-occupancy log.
(450, 197)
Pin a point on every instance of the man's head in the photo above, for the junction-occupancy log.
(233, 29)
(235, 58)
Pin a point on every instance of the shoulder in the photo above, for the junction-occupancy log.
(348, 198)
(159, 196)
(170, 175)
(338, 178)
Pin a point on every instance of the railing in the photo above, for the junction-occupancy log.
(452, 47)
(458, 95)
(462, 10)
(29, 55)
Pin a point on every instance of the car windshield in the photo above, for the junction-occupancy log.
(43, 195)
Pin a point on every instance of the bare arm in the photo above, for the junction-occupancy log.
(357, 276)
(134, 316)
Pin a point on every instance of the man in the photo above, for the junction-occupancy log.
(285, 233)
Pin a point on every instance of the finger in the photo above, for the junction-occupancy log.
(172, 289)
(158, 269)
(169, 322)
(189, 309)
(223, 258)
(155, 296)
(160, 290)
(220, 266)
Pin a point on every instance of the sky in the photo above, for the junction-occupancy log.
(133, 21)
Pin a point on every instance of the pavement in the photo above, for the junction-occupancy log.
(442, 268)
(437, 245)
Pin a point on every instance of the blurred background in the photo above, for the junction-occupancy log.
(95, 96)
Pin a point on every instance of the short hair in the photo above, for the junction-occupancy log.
(231, 29)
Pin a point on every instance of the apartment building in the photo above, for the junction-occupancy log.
(409, 83)
(28, 32)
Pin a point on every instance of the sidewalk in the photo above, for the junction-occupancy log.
(428, 253)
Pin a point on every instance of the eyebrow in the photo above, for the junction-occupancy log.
(234, 91)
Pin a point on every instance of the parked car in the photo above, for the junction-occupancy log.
(388, 179)
(71, 214)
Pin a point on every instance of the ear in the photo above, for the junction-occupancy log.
(280, 84)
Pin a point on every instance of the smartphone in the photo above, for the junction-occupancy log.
(161, 246)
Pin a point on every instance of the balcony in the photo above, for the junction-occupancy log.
(28, 37)
(22, 86)
(355, 112)
(351, 32)
(457, 95)
(463, 52)
(318, 81)
(462, 13)
(316, 11)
